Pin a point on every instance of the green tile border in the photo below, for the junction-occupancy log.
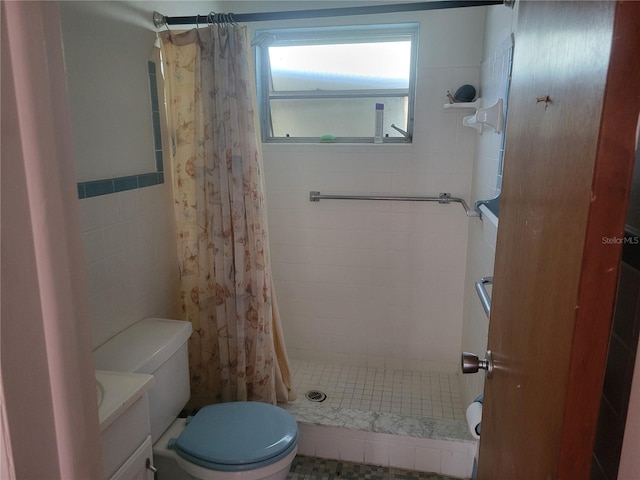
(120, 184)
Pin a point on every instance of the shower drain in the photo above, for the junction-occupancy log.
(315, 396)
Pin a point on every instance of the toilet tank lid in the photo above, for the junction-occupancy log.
(143, 347)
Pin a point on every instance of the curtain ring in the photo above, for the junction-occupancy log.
(211, 17)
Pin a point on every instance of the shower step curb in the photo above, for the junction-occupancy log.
(387, 439)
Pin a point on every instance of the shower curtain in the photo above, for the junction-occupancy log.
(237, 350)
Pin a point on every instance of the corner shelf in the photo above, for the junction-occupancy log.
(492, 116)
(464, 105)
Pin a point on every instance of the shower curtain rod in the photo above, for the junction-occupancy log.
(160, 20)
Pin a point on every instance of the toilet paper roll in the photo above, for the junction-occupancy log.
(474, 418)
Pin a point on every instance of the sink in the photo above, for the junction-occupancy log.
(99, 392)
(117, 391)
(123, 410)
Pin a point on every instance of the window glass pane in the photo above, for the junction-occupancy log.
(327, 80)
(346, 66)
(342, 117)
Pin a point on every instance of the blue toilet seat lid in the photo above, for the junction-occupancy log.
(231, 436)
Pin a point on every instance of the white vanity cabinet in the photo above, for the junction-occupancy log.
(124, 423)
(137, 465)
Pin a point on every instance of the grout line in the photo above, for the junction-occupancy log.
(390, 391)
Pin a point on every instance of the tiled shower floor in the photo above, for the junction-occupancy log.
(406, 420)
(411, 394)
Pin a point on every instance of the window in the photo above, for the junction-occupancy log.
(323, 84)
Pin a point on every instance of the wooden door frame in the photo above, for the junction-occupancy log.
(601, 260)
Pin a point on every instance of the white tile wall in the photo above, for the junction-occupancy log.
(375, 283)
(129, 246)
(481, 251)
(361, 282)
(102, 99)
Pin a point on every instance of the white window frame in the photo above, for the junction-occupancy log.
(332, 35)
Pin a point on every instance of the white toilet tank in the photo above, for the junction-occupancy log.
(157, 347)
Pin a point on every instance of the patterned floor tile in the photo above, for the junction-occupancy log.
(310, 468)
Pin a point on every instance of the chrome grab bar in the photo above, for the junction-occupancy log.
(444, 198)
(485, 298)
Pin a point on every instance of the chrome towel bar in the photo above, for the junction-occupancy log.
(485, 298)
(444, 198)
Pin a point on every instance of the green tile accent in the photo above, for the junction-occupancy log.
(153, 85)
(147, 180)
(126, 183)
(159, 161)
(157, 136)
(99, 187)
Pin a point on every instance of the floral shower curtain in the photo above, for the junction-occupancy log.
(237, 349)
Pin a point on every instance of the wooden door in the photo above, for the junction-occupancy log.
(573, 111)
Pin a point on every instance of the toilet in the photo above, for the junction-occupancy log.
(227, 441)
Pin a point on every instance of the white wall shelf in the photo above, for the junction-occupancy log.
(464, 105)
